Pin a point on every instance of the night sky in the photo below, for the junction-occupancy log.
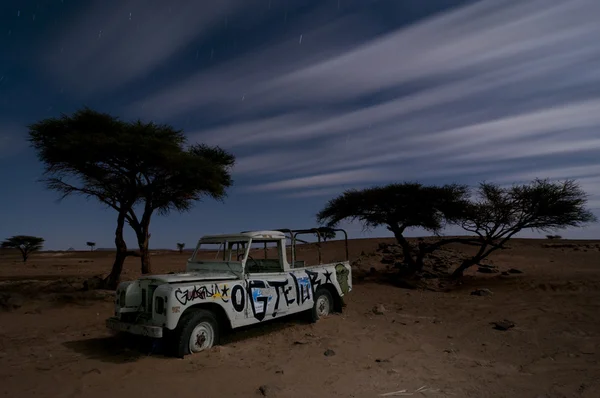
(312, 96)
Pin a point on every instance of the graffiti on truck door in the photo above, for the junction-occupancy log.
(202, 292)
(285, 293)
(260, 296)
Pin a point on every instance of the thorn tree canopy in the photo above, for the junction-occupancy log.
(398, 207)
(129, 167)
(498, 213)
(326, 233)
(24, 243)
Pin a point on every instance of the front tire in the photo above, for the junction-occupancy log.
(323, 305)
(197, 331)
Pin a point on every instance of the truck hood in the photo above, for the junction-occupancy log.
(192, 277)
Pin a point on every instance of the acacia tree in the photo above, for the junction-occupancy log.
(91, 245)
(326, 233)
(131, 167)
(498, 213)
(24, 243)
(180, 247)
(400, 207)
(181, 178)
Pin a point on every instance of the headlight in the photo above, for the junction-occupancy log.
(160, 305)
(122, 299)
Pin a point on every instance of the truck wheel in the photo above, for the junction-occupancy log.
(197, 331)
(322, 306)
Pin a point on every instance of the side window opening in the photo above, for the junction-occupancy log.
(264, 257)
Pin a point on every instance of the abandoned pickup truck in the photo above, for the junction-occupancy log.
(231, 281)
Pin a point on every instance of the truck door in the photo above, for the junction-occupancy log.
(265, 277)
(273, 291)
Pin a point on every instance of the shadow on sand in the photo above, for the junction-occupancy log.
(125, 348)
(120, 348)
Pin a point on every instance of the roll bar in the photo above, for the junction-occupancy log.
(293, 236)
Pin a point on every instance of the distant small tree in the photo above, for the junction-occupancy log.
(551, 237)
(498, 213)
(326, 233)
(24, 243)
(91, 245)
(180, 247)
(400, 207)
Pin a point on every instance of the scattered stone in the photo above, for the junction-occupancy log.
(93, 283)
(503, 325)
(481, 292)
(487, 270)
(329, 353)
(382, 360)
(505, 273)
(514, 271)
(388, 260)
(94, 370)
(379, 309)
(263, 390)
(279, 372)
(299, 342)
(382, 246)
(9, 301)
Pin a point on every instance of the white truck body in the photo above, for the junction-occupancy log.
(235, 286)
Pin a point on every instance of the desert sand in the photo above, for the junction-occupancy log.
(433, 343)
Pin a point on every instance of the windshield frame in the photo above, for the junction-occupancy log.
(225, 244)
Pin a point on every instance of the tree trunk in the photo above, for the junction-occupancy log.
(113, 279)
(421, 253)
(406, 249)
(143, 242)
(466, 264)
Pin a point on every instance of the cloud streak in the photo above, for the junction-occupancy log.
(116, 44)
(494, 89)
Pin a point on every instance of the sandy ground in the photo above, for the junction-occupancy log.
(55, 344)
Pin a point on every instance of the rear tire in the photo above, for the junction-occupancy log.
(323, 305)
(197, 331)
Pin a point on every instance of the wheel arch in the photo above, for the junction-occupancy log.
(337, 299)
(215, 308)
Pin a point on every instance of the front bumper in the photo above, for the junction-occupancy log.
(117, 325)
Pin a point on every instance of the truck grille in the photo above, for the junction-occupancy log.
(148, 298)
